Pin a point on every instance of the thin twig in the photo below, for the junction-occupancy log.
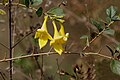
(2, 76)
(84, 21)
(42, 68)
(64, 73)
(22, 5)
(37, 62)
(32, 55)
(13, 32)
(99, 34)
(101, 55)
(10, 38)
(52, 53)
(58, 68)
(21, 40)
(4, 46)
(23, 74)
(24, 37)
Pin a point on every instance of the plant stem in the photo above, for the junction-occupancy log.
(36, 60)
(42, 68)
(10, 39)
(99, 34)
(4, 46)
(58, 68)
(3, 77)
(53, 53)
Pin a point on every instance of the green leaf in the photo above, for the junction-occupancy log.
(56, 11)
(118, 47)
(110, 31)
(26, 64)
(27, 3)
(39, 12)
(116, 18)
(115, 66)
(37, 2)
(111, 11)
(108, 20)
(97, 24)
(18, 61)
(112, 52)
(2, 12)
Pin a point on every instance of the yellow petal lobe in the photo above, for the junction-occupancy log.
(56, 33)
(42, 42)
(44, 23)
(58, 48)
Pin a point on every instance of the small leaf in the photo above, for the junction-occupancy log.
(87, 42)
(112, 52)
(56, 11)
(115, 66)
(87, 39)
(2, 12)
(27, 3)
(39, 11)
(84, 37)
(118, 47)
(97, 24)
(110, 31)
(37, 2)
(108, 20)
(116, 18)
(111, 11)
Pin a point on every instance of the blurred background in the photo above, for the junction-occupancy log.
(77, 23)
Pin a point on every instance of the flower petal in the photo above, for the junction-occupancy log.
(44, 23)
(38, 33)
(66, 37)
(58, 48)
(58, 40)
(62, 32)
(42, 42)
(56, 33)
(49, 36)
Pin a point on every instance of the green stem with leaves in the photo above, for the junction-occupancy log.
(99, 34)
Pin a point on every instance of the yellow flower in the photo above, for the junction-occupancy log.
(58, 39)
(42, 34)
